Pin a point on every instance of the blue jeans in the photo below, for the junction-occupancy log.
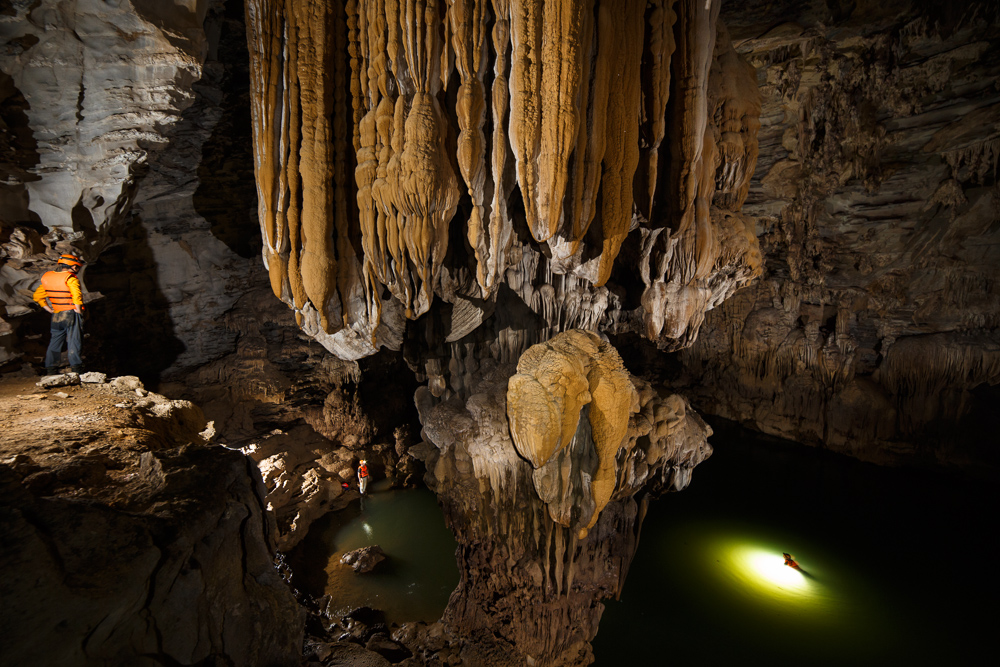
(66, 327)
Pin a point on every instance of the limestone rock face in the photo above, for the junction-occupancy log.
(136, 542)
(88, 90)
(873, 331)
(450, 182)
(300, 472)
(546, 532)
(169, 238)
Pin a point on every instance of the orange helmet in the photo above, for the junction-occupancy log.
(70, 260)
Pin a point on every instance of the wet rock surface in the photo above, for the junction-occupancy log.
(365, 559)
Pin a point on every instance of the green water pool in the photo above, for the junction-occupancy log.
(413, 584)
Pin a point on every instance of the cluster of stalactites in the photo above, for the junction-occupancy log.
(457, 101)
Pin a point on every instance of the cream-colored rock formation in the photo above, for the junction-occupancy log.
(571, 393)
(544, 475)
(393, 175)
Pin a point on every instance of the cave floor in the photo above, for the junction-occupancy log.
(82, 441)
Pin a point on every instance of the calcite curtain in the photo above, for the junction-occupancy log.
(414, 151)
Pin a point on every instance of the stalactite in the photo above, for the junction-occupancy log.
(562, 59)
(691, 63)
(492, 253)
(367, 102)
(576, 116)
(591, 141)
(312, 25)
(622, 153)
(348, 280)
(662, 18)
(525, 107)
(264, 39)
(426, 191)
(737, 103)
(468, 25)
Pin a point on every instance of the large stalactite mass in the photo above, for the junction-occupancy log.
(491, 183)
(416, 152)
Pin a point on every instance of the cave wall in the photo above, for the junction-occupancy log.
(90, 91)
(873, 331)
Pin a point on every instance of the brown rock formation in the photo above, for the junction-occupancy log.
(136, 540)
(555, 380)
(581, 91)
(544, 509)
(874, 329)
(491, 216)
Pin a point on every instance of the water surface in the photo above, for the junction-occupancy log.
(413, 584)
(897, 566)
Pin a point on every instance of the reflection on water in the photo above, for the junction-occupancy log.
(709, 585)
(894, 565)
(413, 584)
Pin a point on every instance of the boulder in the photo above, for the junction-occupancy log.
(365, 559)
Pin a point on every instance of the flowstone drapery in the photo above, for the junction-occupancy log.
(466, 179)
(544, 475)
(414, 156)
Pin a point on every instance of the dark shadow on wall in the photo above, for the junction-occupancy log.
(129, 331)
(18, 155)
(227, 194)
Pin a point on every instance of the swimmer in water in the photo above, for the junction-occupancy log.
(789, 561)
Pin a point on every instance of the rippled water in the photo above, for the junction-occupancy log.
(897, 567)
(413, 584)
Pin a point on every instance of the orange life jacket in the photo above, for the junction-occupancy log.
(57, 291)
(363, 471)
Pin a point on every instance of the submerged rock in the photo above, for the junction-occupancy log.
(365, 559)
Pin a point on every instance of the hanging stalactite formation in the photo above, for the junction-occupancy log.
(486, 131)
